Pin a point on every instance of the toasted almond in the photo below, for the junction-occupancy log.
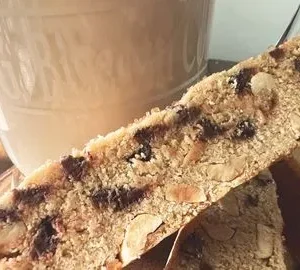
(10, 236)
(219, 192)
(260, 117)
(220, 232)
(230, 204)
(295, 124)
(182, 235)
(194, 153)
(114, 265)
(136, 236)
(262, 86)
(262, 81)
(265, 241)
(185, 193)
(225, 172)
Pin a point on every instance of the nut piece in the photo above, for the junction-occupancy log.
(225, 172)
(262, 81)
(11, 236)
(295, 124)
(230, 205)
(220, 232)
(136, 236)
(262, 85)
(185, 193)
(114, 265)
(260, 117)
(265, 241)
(194, 154)
(219, 192)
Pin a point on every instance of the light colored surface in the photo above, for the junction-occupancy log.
(244, 28)
(93, 67)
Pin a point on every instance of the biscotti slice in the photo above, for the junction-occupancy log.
(127, 191)
(241, 231)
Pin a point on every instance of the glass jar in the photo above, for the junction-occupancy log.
(72, 69)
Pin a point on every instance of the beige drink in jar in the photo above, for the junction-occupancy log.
(72, 69)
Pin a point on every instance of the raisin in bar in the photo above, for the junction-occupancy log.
(241, 231)
(127, 191)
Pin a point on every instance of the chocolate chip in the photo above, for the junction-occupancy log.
(30, 196)
(186, 115)
(192, 246)
(297, 64)
(245, 129)
(118, 198)
(11, 255)
(9, 215)
(74, 167)
(45, 239)
(277, 53)
(210, 129)
(145, 135)
(143, 153)
(241, 81)
(252, 200)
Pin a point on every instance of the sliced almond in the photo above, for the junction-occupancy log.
(219, 192)
(230, 205)
(295, 124)
(265, 241)
(114, 265)
(262, 86)
(11, 236)
(225, 172)
(220, 232)
(260, 117)
(183, 233)
(194, 153)
(185, 193)
(262, 81)
(136, 236)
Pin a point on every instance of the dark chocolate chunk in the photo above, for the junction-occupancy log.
(144, 153)
(187, 115)
(192, 246)
(9, 215)
(210, 129)
(297, 64)
(277, 53)
(252, 200)
(244, 129)
(145, 135)
(45, 239)
(31, 196)
(118, 198)
(11, 255)
(241, 81)
(74, 167)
